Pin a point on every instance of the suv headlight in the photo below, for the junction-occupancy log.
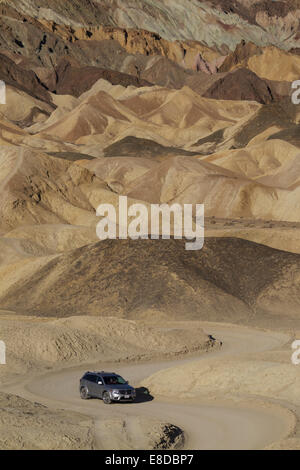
(116, 392)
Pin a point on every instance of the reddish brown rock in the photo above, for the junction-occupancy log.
(242, 53)
(242, 84)
(73, 80)
(25, 80)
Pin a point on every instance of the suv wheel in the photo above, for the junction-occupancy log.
(106, 398)
(84, 393)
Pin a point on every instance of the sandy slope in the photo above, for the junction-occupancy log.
(36, 344)
(206, 425)
(26, 425)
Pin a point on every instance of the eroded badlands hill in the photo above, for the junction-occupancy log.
(185, 102)
(229, 280)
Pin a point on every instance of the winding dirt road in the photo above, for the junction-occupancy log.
(206, 426)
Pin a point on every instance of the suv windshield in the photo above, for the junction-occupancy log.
(114, 380)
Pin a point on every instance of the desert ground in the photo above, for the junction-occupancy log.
(164, 102)
(212, 385)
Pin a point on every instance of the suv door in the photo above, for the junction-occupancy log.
(91, 384)
(100, 386)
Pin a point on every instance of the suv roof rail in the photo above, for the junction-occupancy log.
(103, 372)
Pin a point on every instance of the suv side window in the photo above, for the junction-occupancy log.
(90, 378)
